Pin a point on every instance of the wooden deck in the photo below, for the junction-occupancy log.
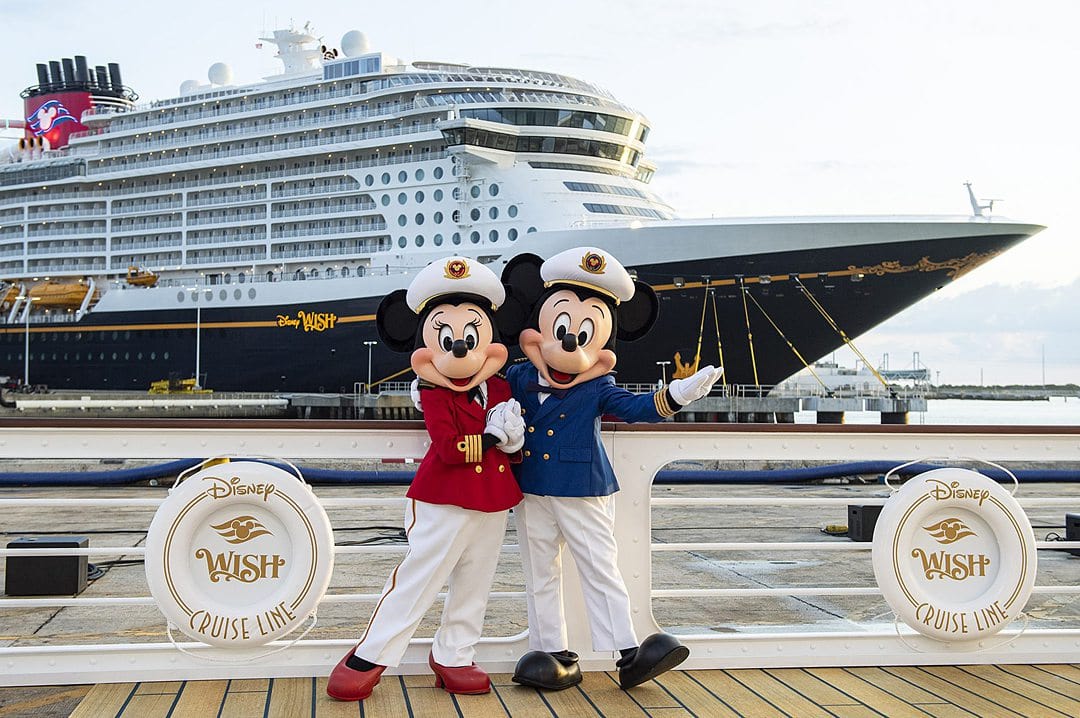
(945, 691)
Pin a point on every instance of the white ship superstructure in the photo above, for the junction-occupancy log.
(354, 169)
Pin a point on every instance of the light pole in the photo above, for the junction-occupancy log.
(198, 340)
(369, 344)
(663, 371)
(26, 352)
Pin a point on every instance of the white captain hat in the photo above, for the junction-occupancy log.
(454, 275)
(591, 268)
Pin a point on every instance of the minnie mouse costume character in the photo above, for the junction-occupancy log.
(463, 489)
(578, 302)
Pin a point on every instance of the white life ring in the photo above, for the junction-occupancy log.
(239, 554)
(954, 555)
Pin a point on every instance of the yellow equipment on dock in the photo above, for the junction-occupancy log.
(175, 385)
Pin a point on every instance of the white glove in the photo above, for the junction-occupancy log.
(514, 426)
(692, 388)
(414, 394)
(495, 421)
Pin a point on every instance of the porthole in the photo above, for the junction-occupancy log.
(438, 195)
(493, 190)
(402, 176)
(475, 213)
(227, 278)
(127, 356)
(101, 356)
(251, 293)
(237, 294)
(386, 178)
(209, 294)
(114, 356)
(438, 172)
(195, 297)
(180, 296)
(401, 242)
(419, 175)
(242, 277)
(139, 357)
(369, 180)
(419, 197)
(493, 236)
(437, 239)
(456, 239)
(402, 220)
(165, 356)
(402, 198)
(475, 191)
(437, 218)
(456, 193)
(512, 234)
(493, 213)
(419, 240)
(474, 237)
(419, 218)
(385, 200)
(512, 210)
(223, 295)
(530, 230)
(153, 356)
(344, 271)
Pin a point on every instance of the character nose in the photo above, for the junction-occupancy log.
(459, 348)
(569, 342)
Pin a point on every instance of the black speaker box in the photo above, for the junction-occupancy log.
(1072, 531)
(861, 520)
(29, 575)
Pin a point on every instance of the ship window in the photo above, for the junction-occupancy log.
(401, 220)
(474, 237)
(385, 200)
(475, 213)
(419, 218)
(251, 292)
(227, 278)
(180, 296)
(438, 172)
(493, 235)
(512, 234)
(456, 193)
(195, 296)
(437, 217)
(153, 356)
(419, 197)
(402, 198)
(530, 230)
(386, 178)
(209, 294)
(437, 239)
(456, 239)
(114, 356)
(138, 356)
(493, 212)
(456, 215)
(236, 294)
(242, 277)
(419, 175)
(344, 271)
(493, 190)
(437, 195)
(223, 295)
(402, 176)
(419, 240)
(401, 242)
(512, 210)
(369, 180)
(475, 191)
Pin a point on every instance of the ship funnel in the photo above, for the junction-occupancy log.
(102, 77)
(114, 77)
(82, 72)
(55, 78)
(42, 74)
(69, 71)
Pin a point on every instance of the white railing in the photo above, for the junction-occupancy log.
(636, 454)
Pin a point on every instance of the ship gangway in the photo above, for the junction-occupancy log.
(104, 653)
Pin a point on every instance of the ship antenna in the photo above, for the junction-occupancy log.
(976, 208)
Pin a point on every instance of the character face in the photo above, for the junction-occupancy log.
(569, 347)
(458, 352)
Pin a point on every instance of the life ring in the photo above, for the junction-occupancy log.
(954, 555)
(239, 554)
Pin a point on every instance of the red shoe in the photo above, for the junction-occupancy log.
(466, 680)
(346, 684)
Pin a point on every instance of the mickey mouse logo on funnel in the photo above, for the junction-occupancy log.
(239, 554)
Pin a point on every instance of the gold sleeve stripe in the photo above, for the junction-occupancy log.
(474, 448)
(663, 407)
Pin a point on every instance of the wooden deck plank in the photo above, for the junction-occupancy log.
(950, 692)
(739, 697)
(253, 685)
(812, 687)
(570, 702)
(856, 710)
(1067, 671)
(485, 705)
(1069, 705)
(159, 687)
(649, 695)
(694, 696)
(522, 701)
(864, 692)
(1049, 681)
(105, 699)
(246, 704)
(290, 697)
(426, 700)
(327, 707)
(611, 700)
(152, 705)
(1015, 701)
(778, 694)
(889, 683)
(40, 700)
(944, 710)
(200, 699)
(672, 713)
(388, 699)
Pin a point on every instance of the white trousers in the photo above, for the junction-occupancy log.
(545, 524)
(447, 545)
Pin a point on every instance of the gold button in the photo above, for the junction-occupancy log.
(532, 429)
(546, 457)
(479, 468)
(523, 411)
(502, 468)
(551, 433)
(528, 453)
(562, 416)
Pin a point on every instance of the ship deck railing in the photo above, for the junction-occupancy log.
(637, 454)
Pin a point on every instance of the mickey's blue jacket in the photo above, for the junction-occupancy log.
(563, 455)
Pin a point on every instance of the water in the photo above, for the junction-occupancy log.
(1058, 411)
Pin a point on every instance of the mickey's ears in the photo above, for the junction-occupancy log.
(522, 275)
(637, 316)
(397, 323)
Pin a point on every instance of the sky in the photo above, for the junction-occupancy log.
(758, 107)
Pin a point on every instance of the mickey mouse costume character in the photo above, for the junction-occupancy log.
(578, 302)
(463, 489)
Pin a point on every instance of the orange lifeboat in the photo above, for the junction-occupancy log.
(58, 294)
(9, 295)
(141, 277)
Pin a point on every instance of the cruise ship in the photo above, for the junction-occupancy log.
(244, 234)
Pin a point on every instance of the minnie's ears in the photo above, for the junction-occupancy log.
(637, 316)
(512, 316)
(522, 275)
(397, 323)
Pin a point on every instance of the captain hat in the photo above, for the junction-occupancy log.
(591, 268)
(454, 275)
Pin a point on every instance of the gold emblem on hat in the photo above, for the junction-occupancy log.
(456, 269)
(593, 263)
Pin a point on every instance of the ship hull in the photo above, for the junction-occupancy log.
(872, 272)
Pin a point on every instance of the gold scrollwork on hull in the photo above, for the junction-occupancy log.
(956, 267)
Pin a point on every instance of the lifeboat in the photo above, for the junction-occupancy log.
(58, 294)
(141, 277)
(10, 294)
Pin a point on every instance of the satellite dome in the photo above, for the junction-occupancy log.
(220, 74)
(188, 86)
(354, 43)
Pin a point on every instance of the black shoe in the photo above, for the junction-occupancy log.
(657, 654)
(550, 671)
